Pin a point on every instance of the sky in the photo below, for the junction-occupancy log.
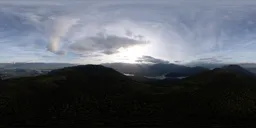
(131, 31)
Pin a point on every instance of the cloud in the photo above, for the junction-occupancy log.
(177, 61)
(214, 59)
(61, 52)
(128, 33)
(59, 30)
(210, 60)
(150, 59)
(176, 30)
(106, 44)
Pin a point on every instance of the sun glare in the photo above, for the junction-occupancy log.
(131, 54)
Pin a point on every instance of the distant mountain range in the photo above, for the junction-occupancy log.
(13, 70)
(9, 70)
(168, 70)
(247, 66)
(117, 65)
(38, 66)
(225, 72)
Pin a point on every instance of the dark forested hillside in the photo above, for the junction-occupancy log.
(94, 95)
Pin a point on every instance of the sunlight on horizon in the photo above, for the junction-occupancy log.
(131, 54)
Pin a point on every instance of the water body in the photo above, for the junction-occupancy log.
(157, 77)
(163, 77)
(128, 74)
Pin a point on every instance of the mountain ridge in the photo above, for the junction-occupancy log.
(153, 69)
(93, 95)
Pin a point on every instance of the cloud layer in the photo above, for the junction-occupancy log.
(107, 44)
(150, 59)
(89, 31)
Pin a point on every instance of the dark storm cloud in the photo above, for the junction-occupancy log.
(106, 44)
(150, 59)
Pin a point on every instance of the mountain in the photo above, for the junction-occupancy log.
(84, 95)
(150, 70)
(238, 69)
(14, 73)
(205, 64)
(14, 70)
(223, 96)
(154, 69)
(248, 66)
(188, 71)
(224, 73)
(135, 69)
(93, 95)
(253, 70)
(39, 66)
